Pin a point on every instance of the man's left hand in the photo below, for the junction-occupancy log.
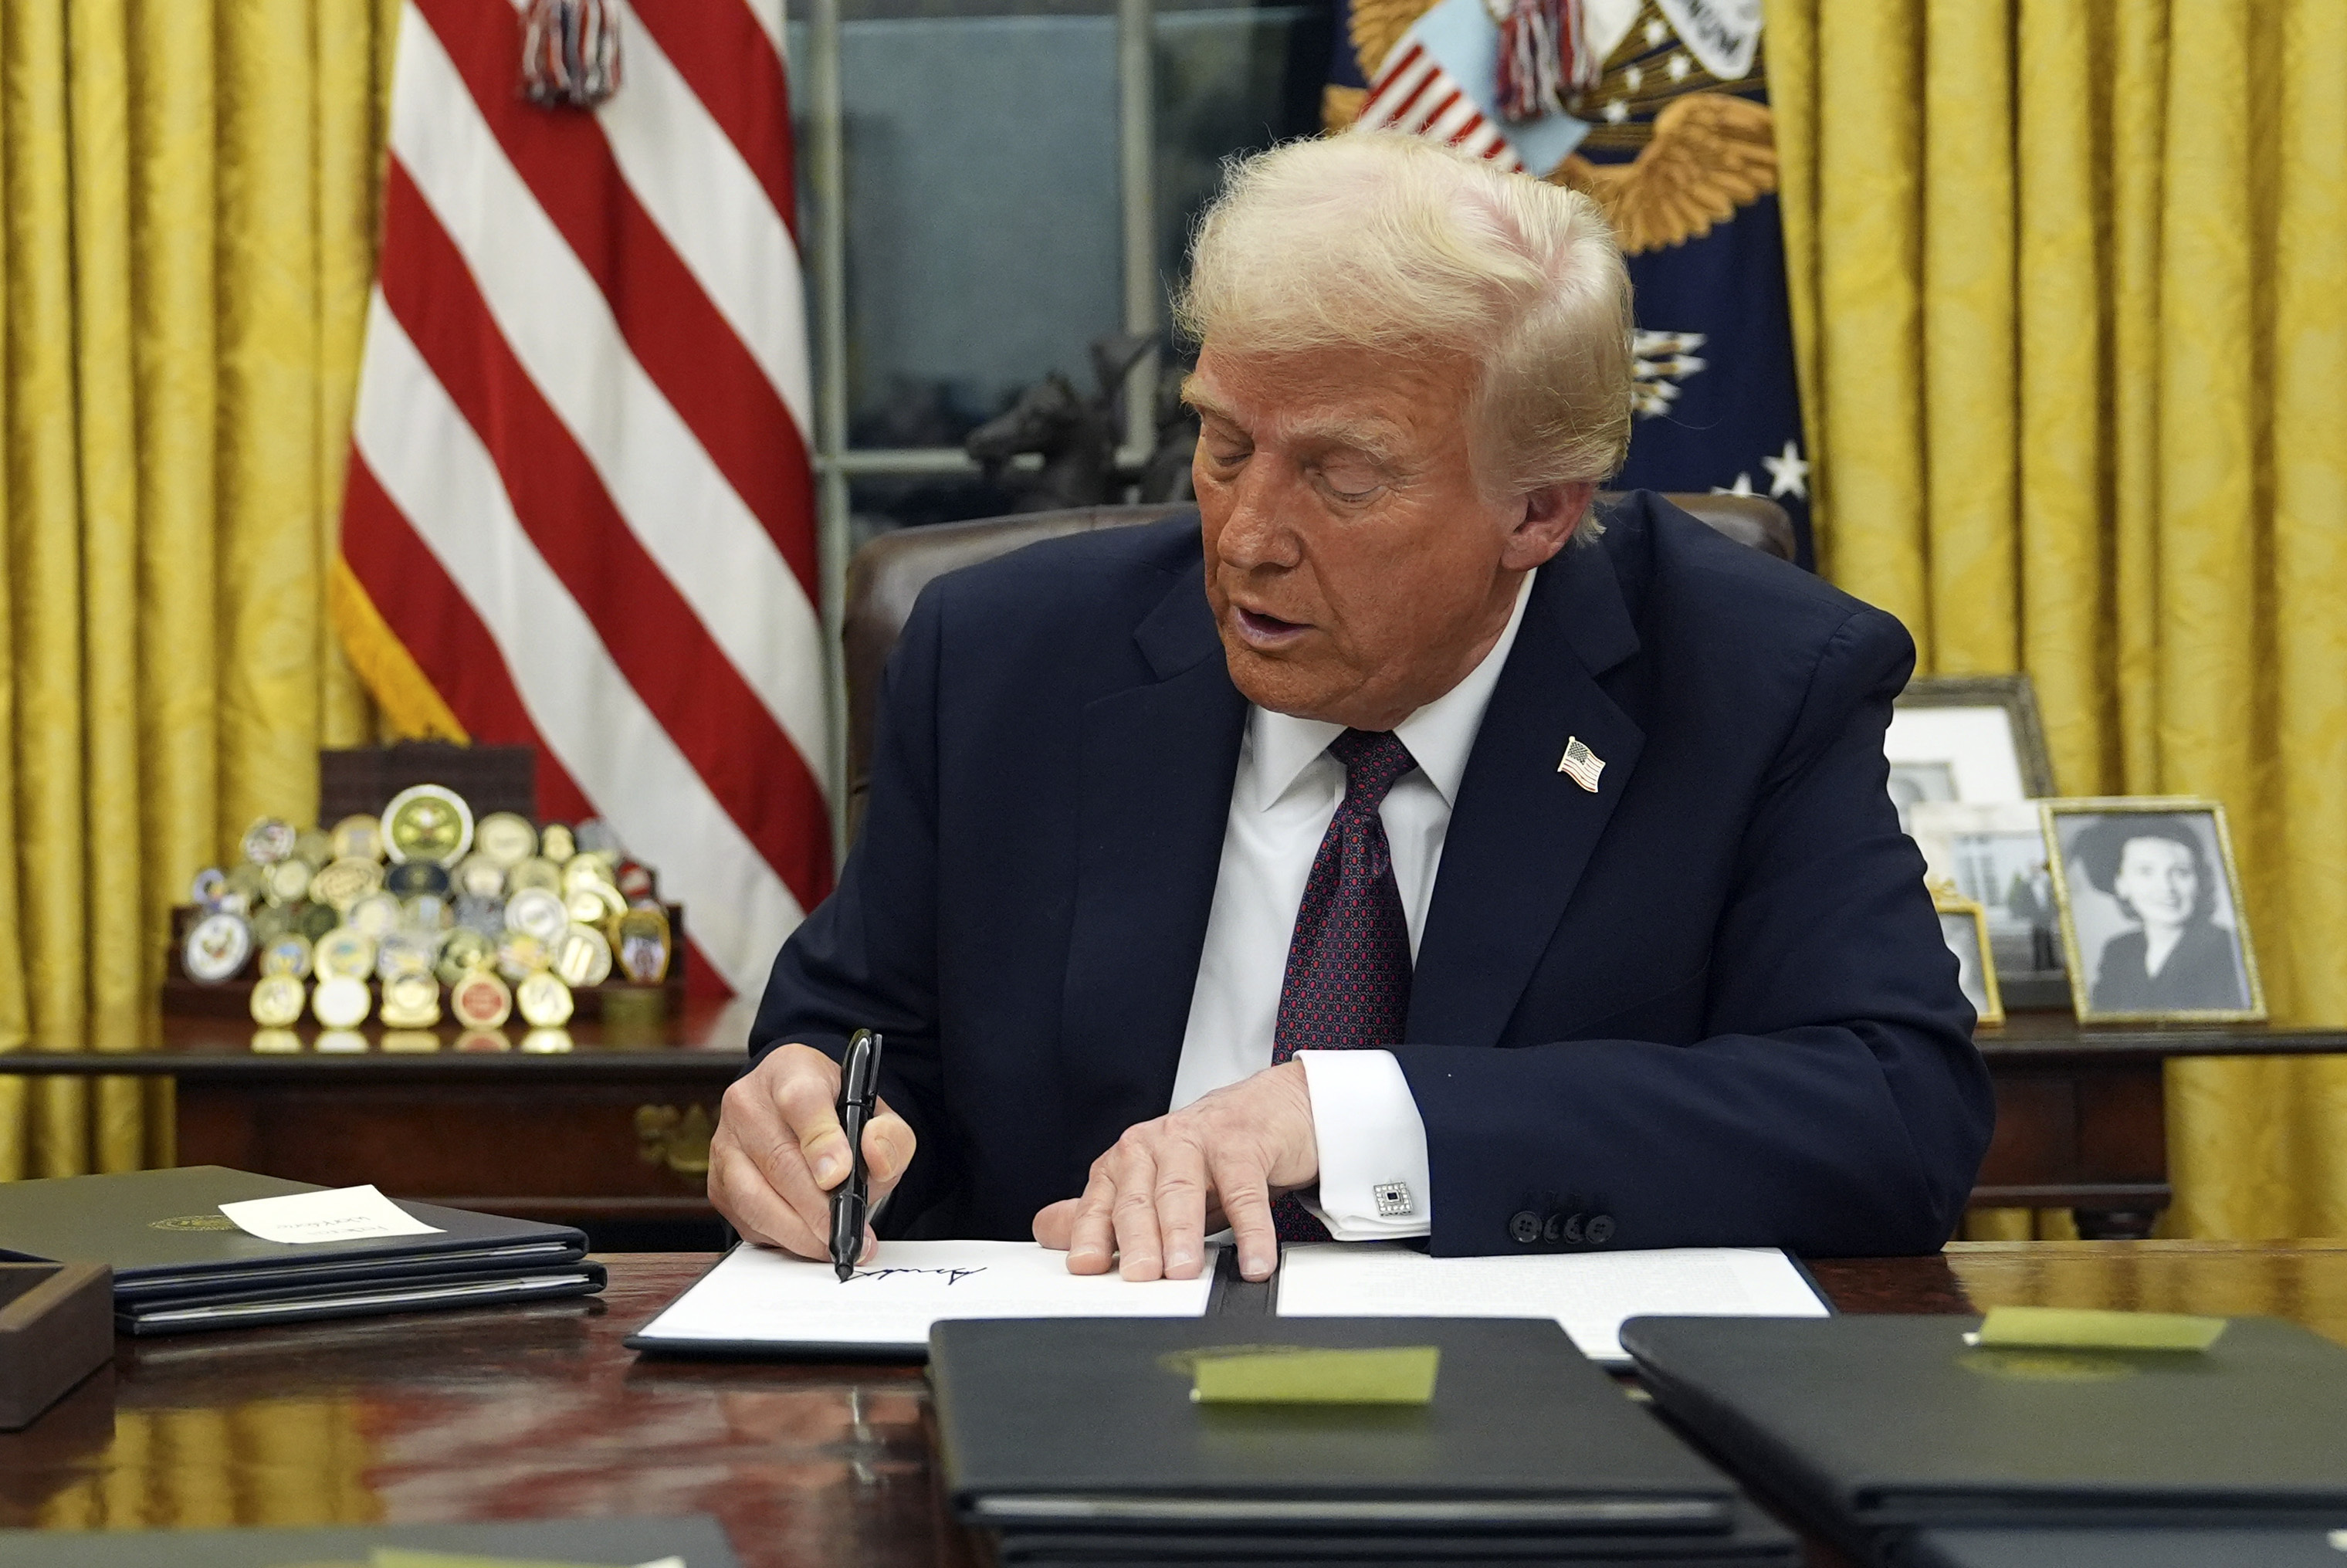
(1154, 1197)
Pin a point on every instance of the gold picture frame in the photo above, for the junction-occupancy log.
(1951, 904)
(2075, 838)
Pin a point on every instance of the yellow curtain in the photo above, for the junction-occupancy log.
(186, 241)
(2070, 290)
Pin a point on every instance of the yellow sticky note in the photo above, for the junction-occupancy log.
(1400, 1376)
(2092, 1328)
(403, 1557)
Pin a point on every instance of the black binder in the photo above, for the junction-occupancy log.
(2248, 1546)
(1873, 1426)
(1078, 1440)
(179, 1265)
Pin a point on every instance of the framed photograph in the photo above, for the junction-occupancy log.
(2151, 911)
(1964, 926)
(1974, 738)
(1995, 856)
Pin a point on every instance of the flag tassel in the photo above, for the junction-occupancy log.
(1544, 54)
(570, 53)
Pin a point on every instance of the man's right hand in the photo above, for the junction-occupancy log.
(778, 1152)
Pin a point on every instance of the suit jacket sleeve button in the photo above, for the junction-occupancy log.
(1525, 1227)
(1599, 1230)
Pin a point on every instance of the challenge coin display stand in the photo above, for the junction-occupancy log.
(428, 910)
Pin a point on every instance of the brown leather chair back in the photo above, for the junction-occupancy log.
(888, 574)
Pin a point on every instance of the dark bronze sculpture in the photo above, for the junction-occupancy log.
(1077, 438)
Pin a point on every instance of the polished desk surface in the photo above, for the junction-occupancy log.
(541, 1412)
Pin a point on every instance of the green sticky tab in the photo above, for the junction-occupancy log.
(2092, 1328)
(1275, 1375)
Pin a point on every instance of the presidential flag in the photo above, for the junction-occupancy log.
(1659, 110)
(579, 513)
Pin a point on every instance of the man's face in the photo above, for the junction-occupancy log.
(1356, 571)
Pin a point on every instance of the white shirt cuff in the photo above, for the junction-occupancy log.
(1373, 1182)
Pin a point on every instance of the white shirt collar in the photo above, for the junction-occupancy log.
(1439, 736)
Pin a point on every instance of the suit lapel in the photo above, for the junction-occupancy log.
(1158, 761)
(1521, 831)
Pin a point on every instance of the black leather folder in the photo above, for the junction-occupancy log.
(1752, 1540)
(179, 1265)
(1087, 1425)
(1873, 1426)
(2248, 1546)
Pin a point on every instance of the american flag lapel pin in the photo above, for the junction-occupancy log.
(1580, 764)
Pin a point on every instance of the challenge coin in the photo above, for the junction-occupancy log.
(340, 884)
(277, 1000)
(416, 879)
(313, 920)
(271, 921)
(289, 881)
(216, 948)
(269, 841)
(344, 953)
(210, 887)
(287, 954)
(582, 957)
(478, 877)
(520, 956)
(405, 953)
(465, 950)
(410, 1001)
(556, 843)
(544, 1000)
(535, 872)
(245, 882)
(534, 912)
(481, 1000)
(313, 846)
(486, 915)
(587, 867)
(341, 1003)
(377, 914)
(358, 839)
(429, 821)
(598, 836)
(505, 838)
(644, 938)
(593, 902)
(426, 912)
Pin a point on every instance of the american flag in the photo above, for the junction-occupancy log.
(1413, 92)
(579, 513)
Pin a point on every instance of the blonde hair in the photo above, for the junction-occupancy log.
(1381, 241)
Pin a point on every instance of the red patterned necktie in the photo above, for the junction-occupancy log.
(1347, 981)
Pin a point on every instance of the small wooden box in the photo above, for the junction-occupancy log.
(56, 1326)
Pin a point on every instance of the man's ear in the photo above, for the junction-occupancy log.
(1550, 514)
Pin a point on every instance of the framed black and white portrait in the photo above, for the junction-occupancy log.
(1995, 855)
(1975, 739)
(1964, 926)
(2151, 911)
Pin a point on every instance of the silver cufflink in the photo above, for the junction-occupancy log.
(1393, 1199)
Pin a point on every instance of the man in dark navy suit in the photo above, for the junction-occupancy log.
(1397, 848)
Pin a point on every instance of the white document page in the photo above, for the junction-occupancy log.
(1590, 1293)
(338, 1214)
(759, 1295)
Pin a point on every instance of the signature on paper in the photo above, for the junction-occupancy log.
(953, 1275)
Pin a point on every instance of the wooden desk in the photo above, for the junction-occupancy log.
(2081, 1117)
(597, 1123)
(540, 1412)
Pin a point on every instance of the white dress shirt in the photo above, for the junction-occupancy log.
(1282, 801)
